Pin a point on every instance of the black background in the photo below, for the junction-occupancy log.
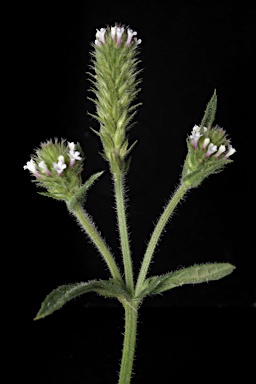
(188, 49)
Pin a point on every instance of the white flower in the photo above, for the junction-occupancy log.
(206, 142)
(43, 166)
(31, 166)
(119, 33)
(73, 157)
(137, 41)
(71, 146)
(221, 149)
(195, 135)
(60, 166)
(113, 32)
(211, 149)
(130, 34)
(100, 36)
(230, 151)
(116, 33)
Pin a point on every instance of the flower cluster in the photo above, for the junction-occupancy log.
(211, 141)
(209, 150)
(57, 167)
(40, 168)
(118, 34)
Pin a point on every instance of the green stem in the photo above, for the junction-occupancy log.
(122, 225)
(97, 240)
(175, 199)
(131, 317)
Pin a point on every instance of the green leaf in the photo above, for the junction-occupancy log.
(192, 275)
(81, 192)
(61, 295)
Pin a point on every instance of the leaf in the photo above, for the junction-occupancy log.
(81, 192)
(61, 295)
(192, 275)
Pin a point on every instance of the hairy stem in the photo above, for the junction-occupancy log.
(129, 344)
(123, 232)
(90, 229)
(175, 199)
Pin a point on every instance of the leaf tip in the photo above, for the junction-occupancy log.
(231, 267)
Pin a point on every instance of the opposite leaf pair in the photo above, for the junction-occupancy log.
(152, 286)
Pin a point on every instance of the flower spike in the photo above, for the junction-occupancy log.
(115, 86)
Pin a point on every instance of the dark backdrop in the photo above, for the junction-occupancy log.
(189, 48)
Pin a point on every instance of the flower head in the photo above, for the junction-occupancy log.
(57, 168)
(210, 141)
(209, 148)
